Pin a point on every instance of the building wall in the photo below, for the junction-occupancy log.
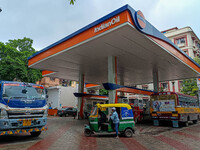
(49, 82)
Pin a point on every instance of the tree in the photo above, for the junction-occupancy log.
(103, 92)
(190, 85)
(14, 61)
(197, 59)
(72, 2)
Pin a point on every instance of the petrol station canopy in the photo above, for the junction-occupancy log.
(125, 33)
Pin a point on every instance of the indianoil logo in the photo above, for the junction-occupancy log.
(107, 24)
(140, 19)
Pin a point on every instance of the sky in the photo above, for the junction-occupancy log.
(47, 21)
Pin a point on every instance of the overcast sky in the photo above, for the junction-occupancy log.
(47, 21)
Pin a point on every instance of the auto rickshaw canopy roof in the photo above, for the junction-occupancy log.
(114, 105)
(125, 33)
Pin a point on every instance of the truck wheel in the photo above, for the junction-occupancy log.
(128, 133)
(195, 121)
(35, 134)
(87, 132)
(186, 124)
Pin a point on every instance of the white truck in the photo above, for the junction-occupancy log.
(59, 96)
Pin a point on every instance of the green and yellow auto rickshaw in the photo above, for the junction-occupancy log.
(99, 121)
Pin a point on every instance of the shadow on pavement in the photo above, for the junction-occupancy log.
(111, 135)
(10, 139)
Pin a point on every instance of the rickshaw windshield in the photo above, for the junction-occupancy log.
(94, 111)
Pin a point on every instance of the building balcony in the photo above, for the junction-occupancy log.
(181, 45)
(195, 48)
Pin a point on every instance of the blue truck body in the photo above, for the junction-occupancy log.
(23, 108)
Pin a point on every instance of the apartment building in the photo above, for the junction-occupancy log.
(186, 39)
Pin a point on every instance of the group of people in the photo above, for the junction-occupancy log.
(113, 116)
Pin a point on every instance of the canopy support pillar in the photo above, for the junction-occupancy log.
(80, 99)
(155, 80)
(112, 77)
(121, 94)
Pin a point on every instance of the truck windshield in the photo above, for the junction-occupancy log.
(22, 91)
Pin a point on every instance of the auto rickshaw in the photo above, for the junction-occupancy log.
(96, 125)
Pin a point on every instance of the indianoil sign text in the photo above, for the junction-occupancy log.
(108, 24)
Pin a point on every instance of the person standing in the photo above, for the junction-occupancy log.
(115, 118)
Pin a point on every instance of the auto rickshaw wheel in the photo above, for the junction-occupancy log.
(128, 133)
(87, 132)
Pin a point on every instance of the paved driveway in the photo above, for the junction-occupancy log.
(67, 134)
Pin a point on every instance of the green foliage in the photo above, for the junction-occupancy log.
(197, 59)
(72, 2)
(161, 89)
(14, 61)
(190, 85)
(103, 92)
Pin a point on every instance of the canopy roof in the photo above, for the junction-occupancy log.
(138, 46)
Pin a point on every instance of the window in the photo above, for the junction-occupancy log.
(145, 88)
(74, 109)
(52, 79)
(187, 101)
(165, 85)
(180, 41)
(198, 45)
(192, 40)
(163, 97)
